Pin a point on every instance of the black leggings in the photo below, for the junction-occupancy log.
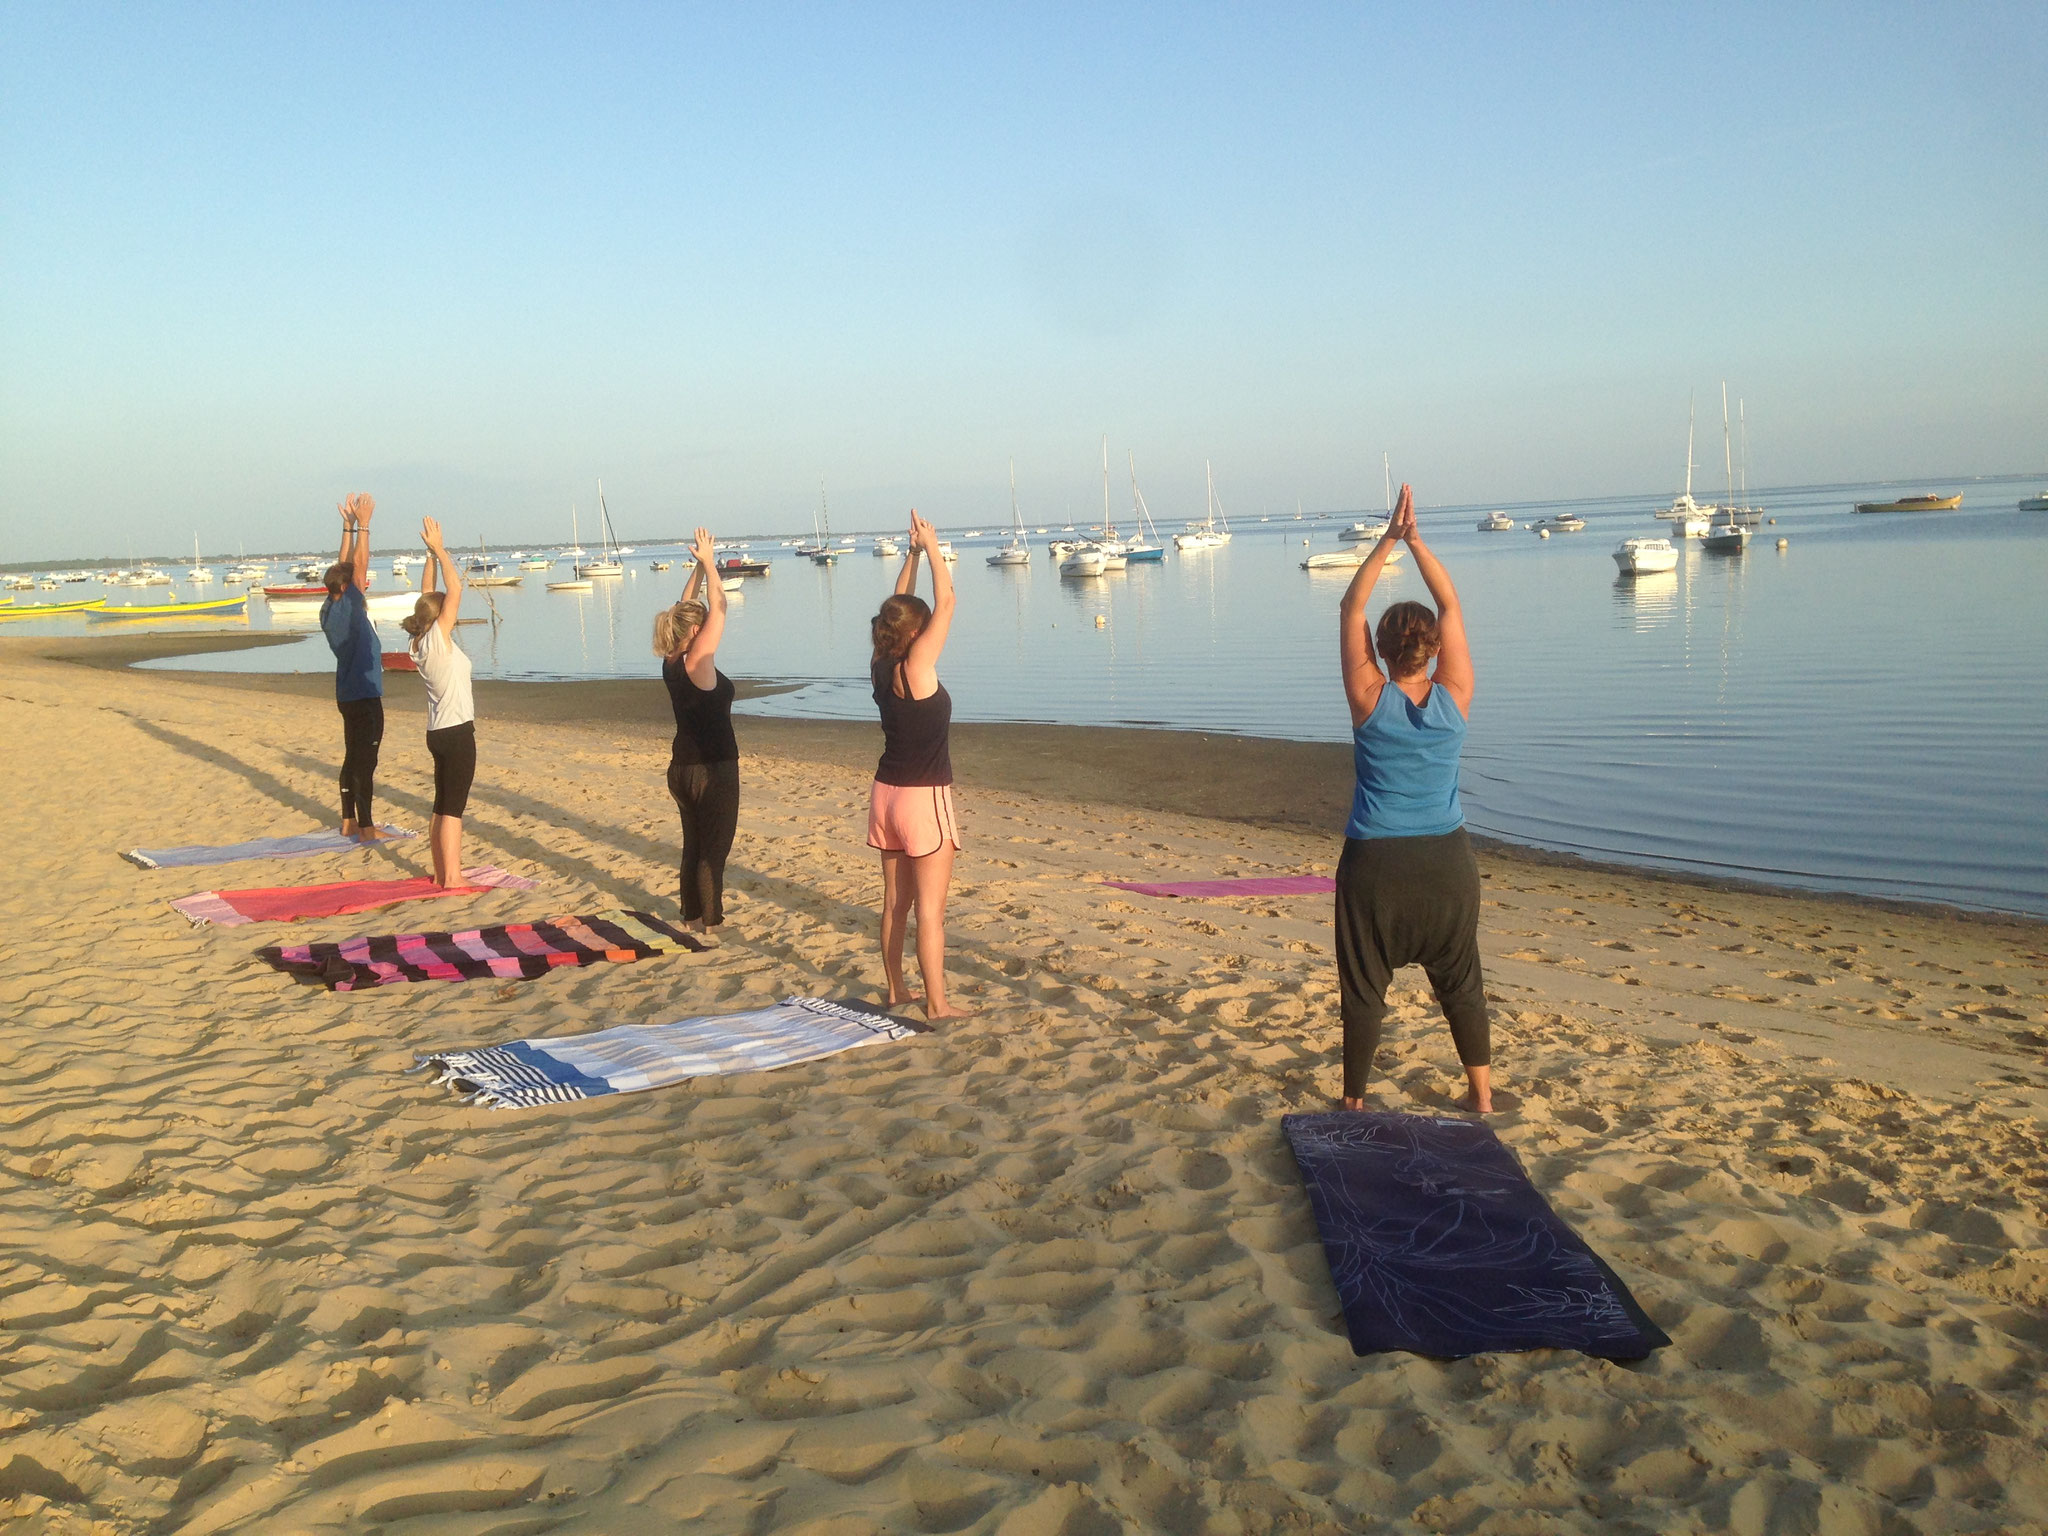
(708, 797)
(1409, 901)
(362, 734)
(453, 749)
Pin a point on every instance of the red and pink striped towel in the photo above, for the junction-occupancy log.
(285, 903)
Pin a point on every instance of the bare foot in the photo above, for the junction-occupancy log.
(1475, 1103)
(705, 937)
(947, 1011)
(372, 835)
(1354, 1104)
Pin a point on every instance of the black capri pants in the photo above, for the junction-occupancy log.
(362, 736)
(708, 799)
(453, 749)
(1409, 901)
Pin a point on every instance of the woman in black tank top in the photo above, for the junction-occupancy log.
(704, 758)
(910, 806)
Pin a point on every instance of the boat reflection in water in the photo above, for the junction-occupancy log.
(1646, 602)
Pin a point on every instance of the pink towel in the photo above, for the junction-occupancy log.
(284, 903)
(1210, 890)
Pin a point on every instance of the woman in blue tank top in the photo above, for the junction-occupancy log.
(1408, 884)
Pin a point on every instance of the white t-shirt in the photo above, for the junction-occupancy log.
(444, 668)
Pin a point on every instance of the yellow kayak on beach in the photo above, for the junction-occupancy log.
(174, 610)
(44, 610)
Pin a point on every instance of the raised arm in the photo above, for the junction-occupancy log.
(1454, 659)
(437, 555)
(906, 578)
(697, 577)
(347, 507)
(922, 660)
(1363, 678)
(701, 659)
(362, 503)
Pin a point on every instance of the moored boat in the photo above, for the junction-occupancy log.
(46, 610)
(2034, 503)
(216, 605)
(1496, 522)
(1913, 504)
(1642, 556)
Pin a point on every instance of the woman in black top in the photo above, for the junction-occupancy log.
(910, 807)
(704, 762)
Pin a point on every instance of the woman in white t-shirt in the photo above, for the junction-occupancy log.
(451, 710)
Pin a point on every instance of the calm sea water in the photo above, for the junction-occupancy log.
(1861, 711)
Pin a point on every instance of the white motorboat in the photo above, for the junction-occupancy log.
(888, 548)
(1496, 522)
(1566, 522)
(946, 551)
(1338, 559)
(2034, 503)
(1082, 560)
(607, 562)
(1206, 534)
(1641, 556)
(1016, 552)
(536, 562)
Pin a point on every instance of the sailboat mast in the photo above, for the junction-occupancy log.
(1742, 426)
(1107, 529)
(1689, 404)
(1209, 517)
(1727, 448)
(1387, 475)
(1016, 517)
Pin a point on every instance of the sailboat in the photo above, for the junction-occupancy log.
(1727, 534)
(607, 562)
(1144, 546)
(483, 571)
(199, 574)
(1105, 544)
(1016, 552)
(1205, 535)
(1688, 516)
(820, 549)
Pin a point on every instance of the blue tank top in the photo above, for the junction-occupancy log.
(1406, 758)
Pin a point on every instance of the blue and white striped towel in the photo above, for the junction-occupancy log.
(636, 1056)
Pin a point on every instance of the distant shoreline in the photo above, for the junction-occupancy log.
(1645, 499)
(1255, 781)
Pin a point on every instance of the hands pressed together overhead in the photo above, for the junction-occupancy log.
(357, 506)
(430, 534)
(923, 535)
(702, 547)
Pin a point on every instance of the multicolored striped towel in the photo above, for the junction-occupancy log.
(639, 1056)
(1210, 890)
(286, 903)
(262, 848)
(511, 951)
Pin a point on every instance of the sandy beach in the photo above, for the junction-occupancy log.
(1049, 1271)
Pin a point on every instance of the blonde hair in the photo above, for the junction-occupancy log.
(425, 614)
(676, 626)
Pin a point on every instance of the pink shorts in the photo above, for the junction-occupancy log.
(912, 818)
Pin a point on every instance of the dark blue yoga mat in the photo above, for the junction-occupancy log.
(1440, 1245)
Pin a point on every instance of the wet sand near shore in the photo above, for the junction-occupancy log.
(1048, 1269)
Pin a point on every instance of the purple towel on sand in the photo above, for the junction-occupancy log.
(1210, 890)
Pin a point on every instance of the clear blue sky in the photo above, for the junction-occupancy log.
(472, 258)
